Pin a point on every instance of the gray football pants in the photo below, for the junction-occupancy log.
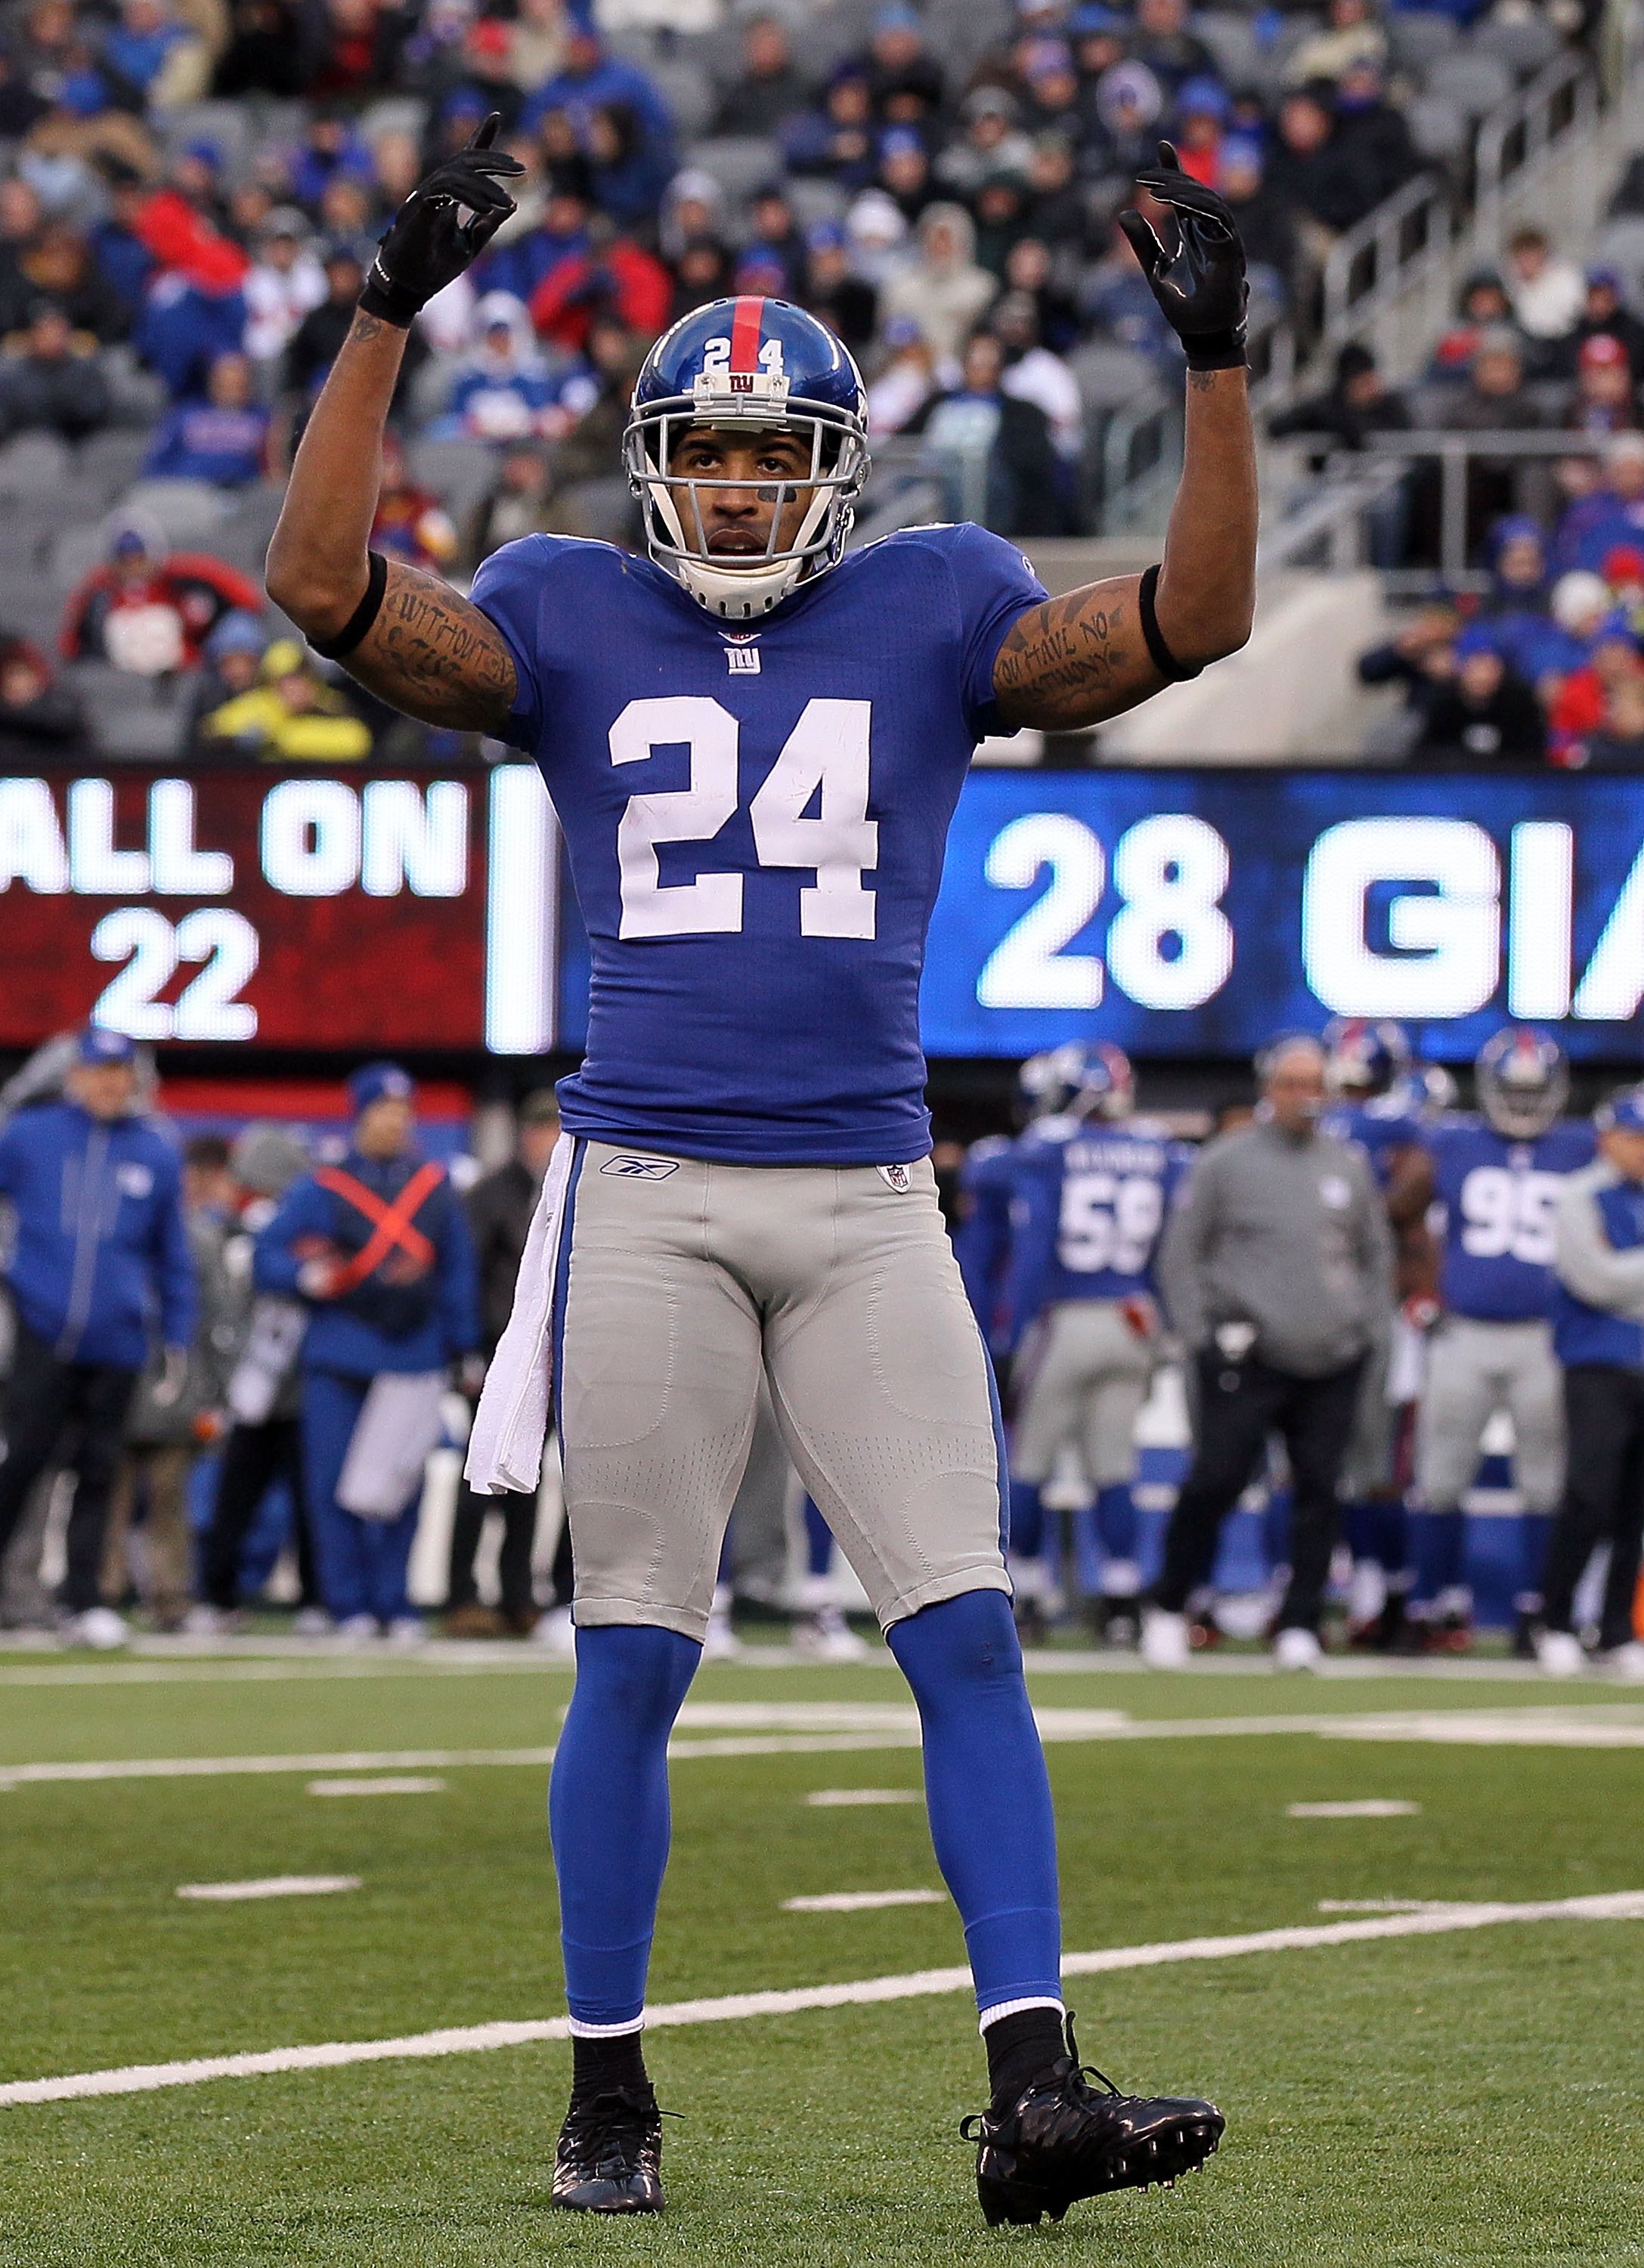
(1473, 1370)
(1088, 1377)
(680, 1283)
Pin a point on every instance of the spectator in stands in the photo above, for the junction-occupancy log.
(1483, 306)
(1606, 314)
(1001, 218)
(1548, 293)
(379, 1251)
(615, 277)
(1351, 34)
(1357, 404)
(158, 57)
(990, 140)
(317, 338)
(1118, 301)
(835, 141)
(284, 283)
(773, 228)
(1583, 700)
(904, 81)
(1421, 657)
(941, 288)
(56, 268)
(907, 379)
(1033, 374)
(770, 88)
(1163, 43)
(411, 523)
(593, 79)
(1202, 110)
(500, 1208)
(1329, 179)
(264, 54)
(290, 716)
(1613, 513)
(521, 503)
(49, 384)
(1030, 271)
(1126, 103)
(904, 170)
(100, 1267)
(702, 271)
(502, 391)
(1617, 745)
(1605, 401)
(229, 661)
(1483, 713)
(536, 43)
(37, 718)
(993, 452)
(123, 262)
(1496, 400)
(847, 303)
(523, 259)
(222, 440)
(1373, 135)
(629, 168)
(148, 609)
(1515, 610)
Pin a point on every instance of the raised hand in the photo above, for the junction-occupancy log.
(1200, 285)
(429, 241)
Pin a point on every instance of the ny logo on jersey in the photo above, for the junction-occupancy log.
(742, 655)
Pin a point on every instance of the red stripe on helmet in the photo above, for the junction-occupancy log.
(744, 336)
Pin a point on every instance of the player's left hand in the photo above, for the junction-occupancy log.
(168, 1387)
(1200, 286)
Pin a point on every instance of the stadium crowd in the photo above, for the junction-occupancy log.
(1314, 1322)
(189, 190)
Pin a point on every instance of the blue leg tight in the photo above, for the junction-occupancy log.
(989, 1792)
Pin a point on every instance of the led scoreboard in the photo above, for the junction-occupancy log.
(1180, 912)
(280, 909)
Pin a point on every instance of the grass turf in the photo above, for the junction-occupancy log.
(1463, 2098)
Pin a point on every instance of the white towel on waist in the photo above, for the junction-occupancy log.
(511, 1423)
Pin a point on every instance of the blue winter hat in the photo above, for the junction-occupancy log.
(1624, 1112)
(377, 1082)
(239, 632)
(99, 1045)
(1202, 97)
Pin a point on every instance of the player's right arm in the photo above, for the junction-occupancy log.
(425, 649)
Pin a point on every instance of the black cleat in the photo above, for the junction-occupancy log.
(1061, 2140)
(609, 2158)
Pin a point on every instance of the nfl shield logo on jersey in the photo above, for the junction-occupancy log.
(896, 1178)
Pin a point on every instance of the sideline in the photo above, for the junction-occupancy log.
(760, 1728)
(478, 2039)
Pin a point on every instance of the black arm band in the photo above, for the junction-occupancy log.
(365, 614)
(1163, 660)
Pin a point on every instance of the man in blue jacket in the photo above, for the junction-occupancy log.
(102, 1269)
(379, 1249)
(1598, 1336)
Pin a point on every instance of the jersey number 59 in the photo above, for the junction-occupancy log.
(823, 761)
(1109, 1221)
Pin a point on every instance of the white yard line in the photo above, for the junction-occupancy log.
(473, 2039)
(832, 1728)
(863, 1901)
(271, 1886)
(843, 1799)
(1366, 1806)
(397, 1784)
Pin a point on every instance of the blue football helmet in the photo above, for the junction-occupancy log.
(1524, 1082)
(1076, 1081)
(749, 363)
(1364, 1060)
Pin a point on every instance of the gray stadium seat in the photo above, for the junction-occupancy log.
(817, 201)
(1475, 83)
(109, 462)
(35, 464)
(1232, 40)
(1525, 44)
(1620, 245)
(1110, 376)
(190, 511)
(133, 719)
(458, 472)
(394, 113)
(1437, 128)
(1419, 38)
(227, 124)
(737, 162)
(688, 93)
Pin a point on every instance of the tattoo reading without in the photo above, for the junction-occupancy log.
(1066, 664)
(432, 654)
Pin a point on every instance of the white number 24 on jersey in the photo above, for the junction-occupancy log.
(823, 759)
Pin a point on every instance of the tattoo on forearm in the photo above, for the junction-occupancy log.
(1070, 662)
(432, 654)
(1202, 381)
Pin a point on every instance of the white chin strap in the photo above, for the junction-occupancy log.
(738, 594)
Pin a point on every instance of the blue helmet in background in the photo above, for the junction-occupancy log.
(756, 364)
(1523, 1081)
(1363, 1060)
(1080, 1081)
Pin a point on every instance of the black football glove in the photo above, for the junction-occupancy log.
(429, 243)
(1200, 287)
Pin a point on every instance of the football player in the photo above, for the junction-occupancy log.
(754, 740)
(1491, 1181)
(1092, 1184)
(1378, 1097)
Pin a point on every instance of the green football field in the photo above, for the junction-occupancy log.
(1439, 2094)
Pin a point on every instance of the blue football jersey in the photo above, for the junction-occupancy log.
(981, 1242)
(1089, 1209)
(755, 822)
(1380, 1129)
(1494, 1200)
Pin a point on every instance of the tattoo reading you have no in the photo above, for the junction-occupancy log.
(1057, 656)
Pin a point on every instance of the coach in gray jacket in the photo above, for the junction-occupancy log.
(1277, 1269)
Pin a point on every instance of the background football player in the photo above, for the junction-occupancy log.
(1491, 1181)
(1091, 1186)
(755, 741)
